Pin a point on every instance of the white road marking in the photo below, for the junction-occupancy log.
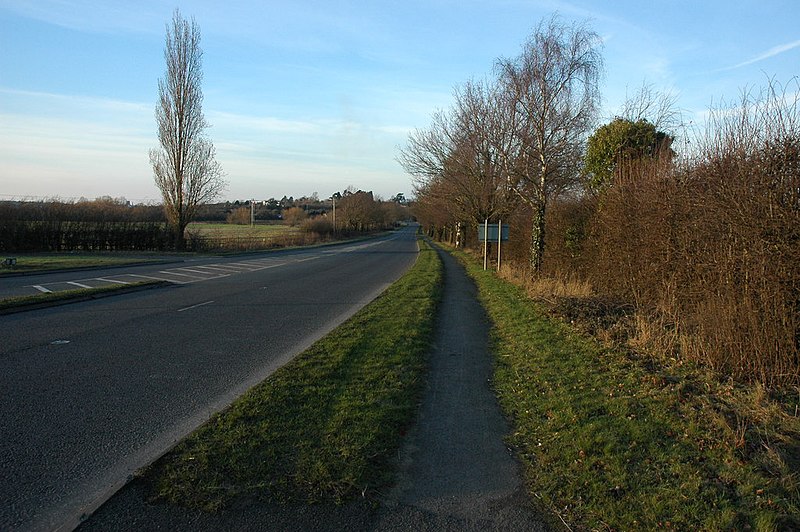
(172, 272)
(41, 288)
(195, 306)
(79, 285)
(114, 281)
(192, 271)
(157, 278)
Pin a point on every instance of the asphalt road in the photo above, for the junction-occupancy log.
(92, 391)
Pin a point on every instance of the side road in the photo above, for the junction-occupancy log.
(455, 472)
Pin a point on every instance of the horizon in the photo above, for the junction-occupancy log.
(308, 98)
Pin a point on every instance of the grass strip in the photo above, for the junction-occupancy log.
(326, 426)
(607, 444)
(79, 294)
(42, 263)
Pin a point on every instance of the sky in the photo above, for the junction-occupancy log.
(306, 96)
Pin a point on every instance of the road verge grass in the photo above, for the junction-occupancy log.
(45, 263)
(21, 303)
(326, 426)
(608, 443)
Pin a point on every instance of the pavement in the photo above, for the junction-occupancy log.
(455, 472)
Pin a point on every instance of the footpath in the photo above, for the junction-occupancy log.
(455, 471)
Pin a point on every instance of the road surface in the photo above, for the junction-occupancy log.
(93, 391)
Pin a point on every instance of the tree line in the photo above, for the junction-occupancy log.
(698, 231)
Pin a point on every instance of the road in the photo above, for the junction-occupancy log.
(93, 391)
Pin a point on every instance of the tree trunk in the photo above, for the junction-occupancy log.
(537, 239)
(180, 241)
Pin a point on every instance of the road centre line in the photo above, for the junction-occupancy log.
(195, 306)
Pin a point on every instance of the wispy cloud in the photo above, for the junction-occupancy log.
(772, 52)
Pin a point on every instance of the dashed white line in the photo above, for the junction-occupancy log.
(79, 285)
(195, 306)
(41, 288)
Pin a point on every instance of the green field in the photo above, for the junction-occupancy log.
(224, 230)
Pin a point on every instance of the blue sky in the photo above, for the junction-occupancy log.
(310, 97)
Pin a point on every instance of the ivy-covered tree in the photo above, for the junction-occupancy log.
(619, 141)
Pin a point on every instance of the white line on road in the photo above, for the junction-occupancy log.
(41, 288)
(157, 278)
(114, 281)
(173, 272)
(192, 271)
(79, 285)
(218, 268)
(195, 306)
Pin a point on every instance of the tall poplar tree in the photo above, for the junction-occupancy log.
(185, 167)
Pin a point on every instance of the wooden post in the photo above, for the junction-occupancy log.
(499, 240)
(485, 243)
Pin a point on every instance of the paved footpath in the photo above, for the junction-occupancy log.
(455, 471)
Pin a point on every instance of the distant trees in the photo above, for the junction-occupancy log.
(294, 216)
(185, 168)
(239, 216)
(358, 211)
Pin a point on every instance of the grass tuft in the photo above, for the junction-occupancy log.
(326, 426)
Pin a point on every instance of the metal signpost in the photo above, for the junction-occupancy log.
(492, 233)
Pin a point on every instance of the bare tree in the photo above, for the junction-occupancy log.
(552, 98)
(185, 166)
(658, 108)
(457, 158)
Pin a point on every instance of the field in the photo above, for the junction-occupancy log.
(202, 236)
(223, 230)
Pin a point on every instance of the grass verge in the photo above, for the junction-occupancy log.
(609, 443)
(79, 294)
(41, 263)
(326, 426)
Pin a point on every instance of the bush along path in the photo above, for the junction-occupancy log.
(610, 443)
